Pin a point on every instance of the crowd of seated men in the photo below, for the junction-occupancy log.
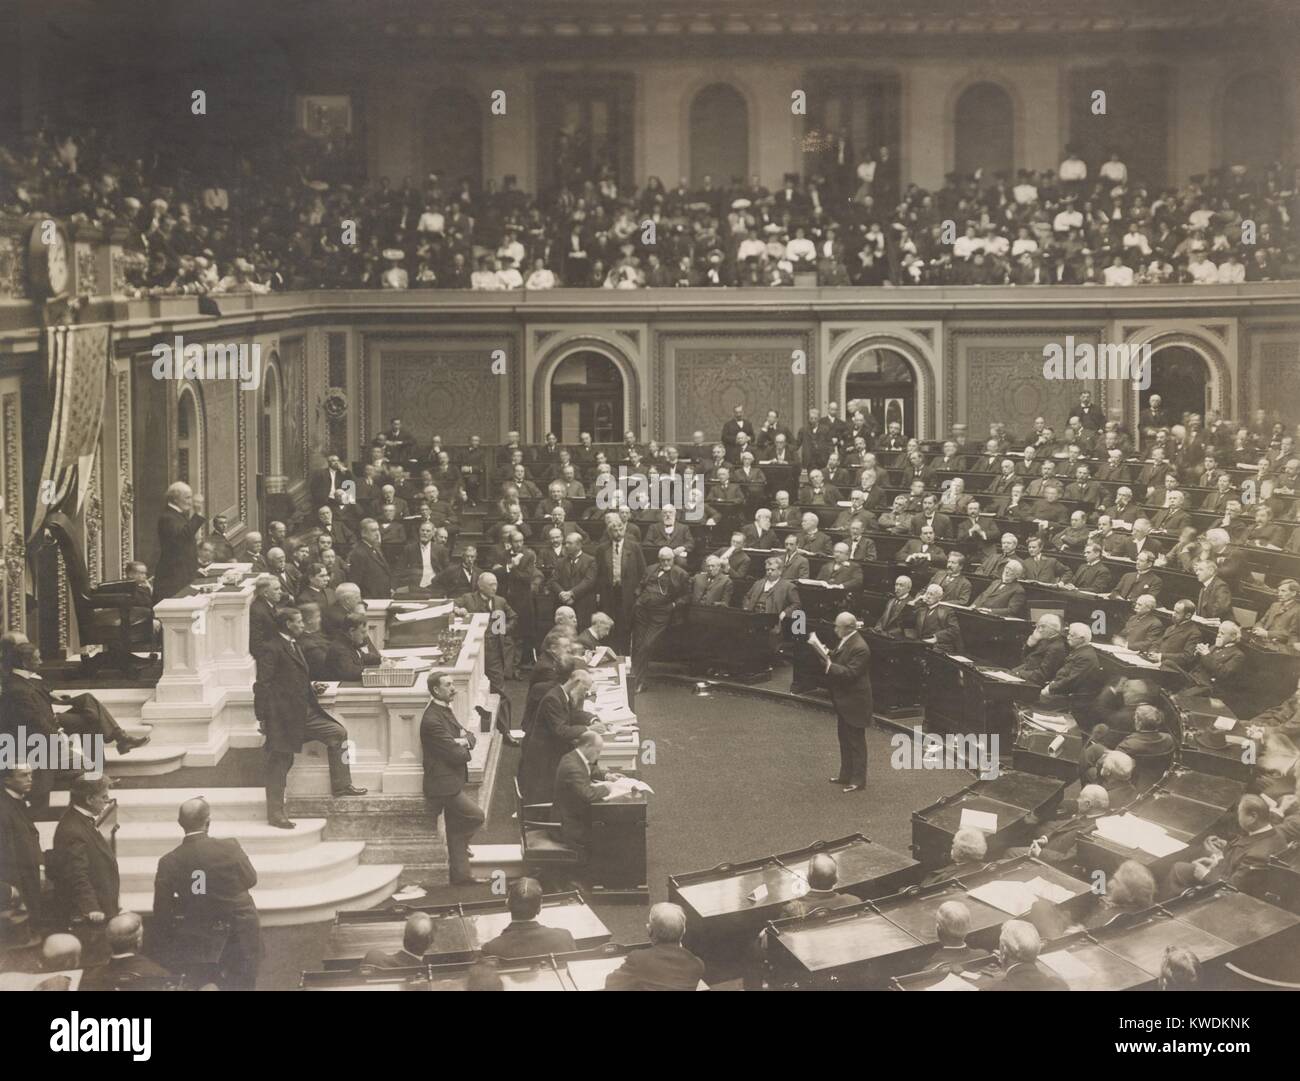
(275, 221)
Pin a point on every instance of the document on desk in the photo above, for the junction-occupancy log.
(953, 982)
(819, 582)
(980, 820)
(1066, 965)
(1052, 892)
(1000, 676)
(959, 658)
(1225, 724)
(1057, 722)
(1013, 898)
(411, 651)
(433, 612)
(625, 786)
(1125, 655)
(1137, 833)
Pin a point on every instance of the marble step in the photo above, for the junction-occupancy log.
(275, 870)
(153, 839)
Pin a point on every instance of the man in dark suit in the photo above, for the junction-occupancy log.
(1279, 626)
(559, 721)
(222, 550)
(1092, 575)
(178, 557)
(667, 965)
(1044, 651)
(1142, 580)
(82, 867)
(620, 568)
(664, 588)
(732, 428)
(848, 674)
(446, 747)
(840, 571)
(1018, 948)
(578, 783)
(499, 649)
(955, 585)
(668, 532)
(292, 715)
(773, 594)
(1177, 648)
(1037, 567)
(712, 585)
(417, 939)
(823, 875)
(126, 965)
(219, 924)
(759, 533)
(1005, 597)
(794, 565)
(20, 843)
(424, 558)
(936, 624)
(574, 583)
(893, 617)
(1143, 630)
(1220, 666)
(347, 655)
(461, 576)
(1240, 861)
(524, 936)
(1215, 598)
(367, 566)
(1080, 676)
(331, 486)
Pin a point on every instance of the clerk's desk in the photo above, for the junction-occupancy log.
(864, 946)
(728, 905)
(1216, 923)
(459, 931)
(966, 698)
(585, 970)
(710, 636)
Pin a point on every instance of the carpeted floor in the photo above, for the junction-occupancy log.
(735, 776)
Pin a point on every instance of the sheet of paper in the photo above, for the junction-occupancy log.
(378, 605)
(1013, 898)
(959, 658)
(980, 820)
(1225, 724)
(758, 895)
(1001, 677)
(435, 612)
(1049, 891)
(1066, 965)
(953, 982)
(411, 651)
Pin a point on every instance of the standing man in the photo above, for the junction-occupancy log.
(447, 746)
(664, 587)
(82, 866)
(178, 556)
(620, 568)
(367, 566)
(20, 844)
(574, 583)
(848, 673)
(732, 429)
(219, 923)
(293, 716)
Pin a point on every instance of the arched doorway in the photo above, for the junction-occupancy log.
(984, 123)
(1254, 122)
(1182, 379)
(883, 380)
(587, 396)
(270, 426)
(453, 139)
(719, 127)
(188, 433)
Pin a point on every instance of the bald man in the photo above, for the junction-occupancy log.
(823, 875)
(126, 965)
(667, 965)
(417, 941)
(848, 674)
(218, 927)
(664, 588)
(178, 526)
(952, 925)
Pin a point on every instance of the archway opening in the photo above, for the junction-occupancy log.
(1181, 377)
(719, 127)
(984, 124)
(453, 140)
(269, 429)
(1254, 122)
(587, 396)
(883, 382)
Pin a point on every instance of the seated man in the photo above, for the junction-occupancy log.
(667, 965)
(27, 703)
(1093, 576)
(524, 936)
(1007, 596)
(579, 783)
(1149, 740)
(840, 571)
(1080, 676)
(952, 925)
(1144, 629)
(1239, 861)
(967, 853)
(823, 873)
(598, 633)
(417, 938)
(937, 625)
(1058, 840)
(1141, 580)
(126, 963)
(922, 551)
(712, 585)
(349, 653)
(1018, 948)
(1044, 651)
(1279, 626)
(893, 618)
(1218, 667)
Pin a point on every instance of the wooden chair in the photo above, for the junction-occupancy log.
(540, 844)
(116, 615)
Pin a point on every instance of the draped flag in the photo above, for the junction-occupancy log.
(78, 379)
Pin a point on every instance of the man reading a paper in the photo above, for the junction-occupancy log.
(848, 674)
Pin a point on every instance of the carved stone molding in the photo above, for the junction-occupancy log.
(125, 474)
(241, 449)
(15, 549)
(95, 526)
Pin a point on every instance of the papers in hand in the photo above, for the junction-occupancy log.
(980, 820)
(432, 612)
(598, 654)
(1133, 832)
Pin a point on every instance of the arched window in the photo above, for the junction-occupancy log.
(189, 440)
(984, 128)
(881, 383)
(719, 128)
(1181, 377)
(1254, 122)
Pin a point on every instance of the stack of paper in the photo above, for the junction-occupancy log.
(625, 786)
(1133, 832)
